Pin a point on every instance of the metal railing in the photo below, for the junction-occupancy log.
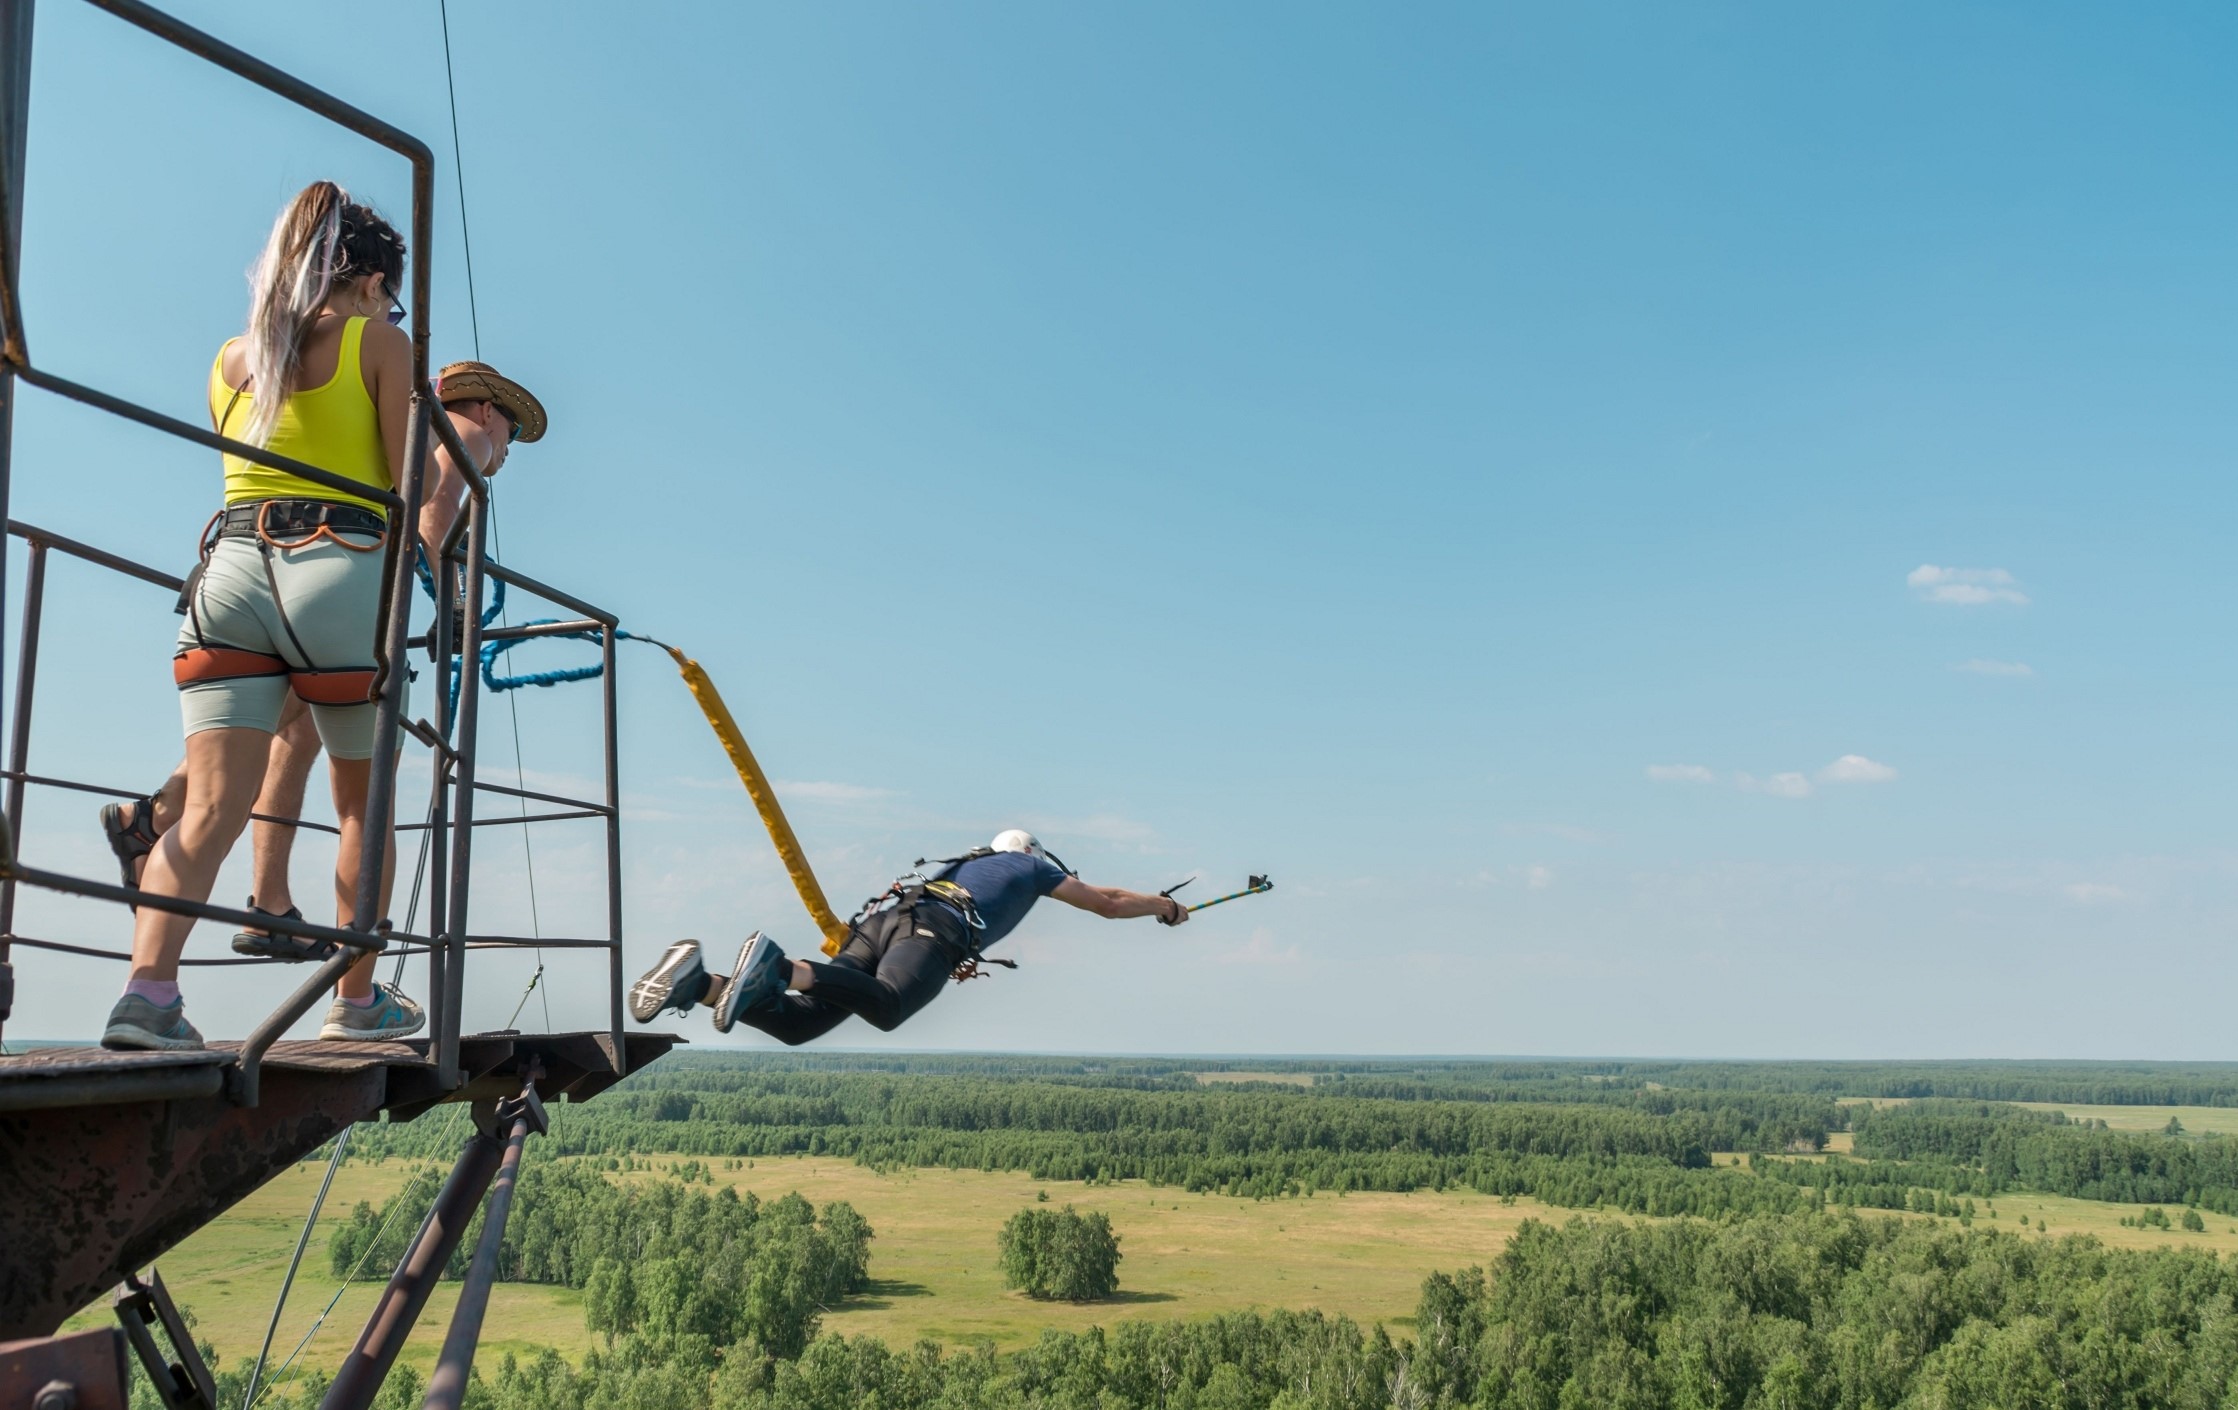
(452, 820)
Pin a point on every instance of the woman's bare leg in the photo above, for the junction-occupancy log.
(351, 779)
(224, 770)
(295, 749)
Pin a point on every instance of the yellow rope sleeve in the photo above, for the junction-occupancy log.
(765, 801)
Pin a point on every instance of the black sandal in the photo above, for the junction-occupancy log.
(130, 841)
(279, 947)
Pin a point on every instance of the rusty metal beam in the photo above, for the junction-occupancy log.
(120, 1184)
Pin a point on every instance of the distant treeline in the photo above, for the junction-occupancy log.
(1785, 1313)
(2013, 1148)
(1640, 1149)
(1649, 1153)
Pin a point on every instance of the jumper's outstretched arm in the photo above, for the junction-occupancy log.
(1117, 903)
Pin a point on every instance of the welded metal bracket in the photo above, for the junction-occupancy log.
(527, 1107)
(183, 1384)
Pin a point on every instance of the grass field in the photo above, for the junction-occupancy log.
(2198, 1120)
(228, 1274)
(2081, 1216)
(933, 1262)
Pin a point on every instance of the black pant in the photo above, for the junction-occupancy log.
(894, 964)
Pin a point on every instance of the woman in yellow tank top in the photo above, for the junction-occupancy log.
(287, 598)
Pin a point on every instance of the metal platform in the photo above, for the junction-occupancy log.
(123, 1155)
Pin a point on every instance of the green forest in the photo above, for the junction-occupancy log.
(1579, 1141)
(1681, 1279)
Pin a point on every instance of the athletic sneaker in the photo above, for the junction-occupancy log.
(759, 976)
(137, 1024)
(677, 982)
(390, 1015)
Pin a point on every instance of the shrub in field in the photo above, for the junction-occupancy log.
(1060, 1255)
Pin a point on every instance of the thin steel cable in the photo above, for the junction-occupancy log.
(458, 169)
(419, 875)
(474, 318)
(520, 780)
(279, 1304)
(359, 1266)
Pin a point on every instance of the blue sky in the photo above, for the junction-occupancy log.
(1675, 530)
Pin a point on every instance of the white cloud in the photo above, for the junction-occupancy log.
(1538, 878)
(1856, 768)
(1850, 768)
(1980, 667)
(1965, 587)
(2091, 893)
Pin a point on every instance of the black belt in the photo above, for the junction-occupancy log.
(291, 518)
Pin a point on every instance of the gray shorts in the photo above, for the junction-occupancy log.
(332, 597)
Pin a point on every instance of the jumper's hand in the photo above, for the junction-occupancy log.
(1176, 913)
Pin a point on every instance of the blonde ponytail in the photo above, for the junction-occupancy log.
(287, 288)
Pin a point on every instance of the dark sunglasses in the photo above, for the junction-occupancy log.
(396, 310)
(513, 432)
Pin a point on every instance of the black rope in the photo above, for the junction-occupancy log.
(91, 953)
(399, 950)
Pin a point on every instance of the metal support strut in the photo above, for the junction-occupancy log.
(367, 1365)
(447, 1387)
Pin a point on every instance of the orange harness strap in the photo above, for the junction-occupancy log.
(200, 664)
(338, 687)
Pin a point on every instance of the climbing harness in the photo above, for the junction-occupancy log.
(912, 890)
(264, 521)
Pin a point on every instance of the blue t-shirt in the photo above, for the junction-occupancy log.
(1004, 887)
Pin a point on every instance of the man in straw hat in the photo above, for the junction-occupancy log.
(490, 412)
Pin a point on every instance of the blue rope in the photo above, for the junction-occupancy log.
(492, 650)
(490, 613)
(563, 676)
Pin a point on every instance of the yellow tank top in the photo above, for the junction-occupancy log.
(334, 427)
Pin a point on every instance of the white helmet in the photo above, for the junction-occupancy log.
(1017, 839)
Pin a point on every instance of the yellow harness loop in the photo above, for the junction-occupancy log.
(765, 801)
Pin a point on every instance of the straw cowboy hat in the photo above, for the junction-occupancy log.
(478, 381)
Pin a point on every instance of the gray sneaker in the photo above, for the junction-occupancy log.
(759, 977)
(390, 1015)
(136, 1024)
